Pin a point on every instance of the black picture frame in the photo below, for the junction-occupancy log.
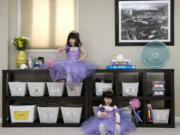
(118, 42)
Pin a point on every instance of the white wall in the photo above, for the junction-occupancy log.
(3, 41)
(97, 30)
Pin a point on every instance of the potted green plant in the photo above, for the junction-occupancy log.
(21, 43)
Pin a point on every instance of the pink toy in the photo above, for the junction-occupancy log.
(135, 103)
(51, 63)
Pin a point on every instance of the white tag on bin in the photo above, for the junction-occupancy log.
(71, 114)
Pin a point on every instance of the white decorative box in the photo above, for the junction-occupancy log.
(71, 114)
(74, 89)
(36, 89)
(48, 114)
(161, 115)
(130, 89)
(55, 88)
(18, 88)
(22, 113)
(101, 86)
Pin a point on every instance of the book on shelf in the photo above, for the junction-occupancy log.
(121, 67)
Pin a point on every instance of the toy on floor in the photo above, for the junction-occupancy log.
(74, 69)
(119, 62)
(109, 120)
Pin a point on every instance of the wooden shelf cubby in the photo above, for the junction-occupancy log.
(88, 97)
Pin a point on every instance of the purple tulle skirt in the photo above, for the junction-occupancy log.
(91, 126)
(76, 70)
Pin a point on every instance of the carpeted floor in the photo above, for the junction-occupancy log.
(77, 131)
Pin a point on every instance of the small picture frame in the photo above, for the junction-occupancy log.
(35, 63)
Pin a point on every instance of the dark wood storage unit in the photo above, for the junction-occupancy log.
(39, 76)
(88, 97)
(143, 76)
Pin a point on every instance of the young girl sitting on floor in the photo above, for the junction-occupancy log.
(109, 119)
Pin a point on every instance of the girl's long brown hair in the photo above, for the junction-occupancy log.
(76, 36)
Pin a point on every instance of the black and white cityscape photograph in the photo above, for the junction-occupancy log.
(144, 21)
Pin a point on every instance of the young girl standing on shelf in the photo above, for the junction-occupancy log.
(74, 69)
(109, 120)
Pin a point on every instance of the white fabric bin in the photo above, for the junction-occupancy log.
(161, 115)
(18, 88)
(74, 89)
(36, 89)
(48, 114)
(55, 88)
(22, 113)
(71, 114)
(95, 110)
(130, 89)
(100, 87)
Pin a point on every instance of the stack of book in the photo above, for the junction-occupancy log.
(121, 65)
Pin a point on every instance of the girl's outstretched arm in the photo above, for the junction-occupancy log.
(84, 54)
(60, 49)
(117, 115)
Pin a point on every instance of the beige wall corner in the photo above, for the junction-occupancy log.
(3, 41)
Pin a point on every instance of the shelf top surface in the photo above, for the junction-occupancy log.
(98, 70)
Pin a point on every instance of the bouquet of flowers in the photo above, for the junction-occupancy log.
(20, 43)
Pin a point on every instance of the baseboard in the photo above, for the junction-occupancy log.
(177, 120)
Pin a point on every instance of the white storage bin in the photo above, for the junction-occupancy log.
(48, 114)
(55, 88)
(130, 89)
(160, 115)
(22, 114)
(36, 89)
(18, 88)
(95, 110)
(100, 87)
(71, 114)
(74, 89)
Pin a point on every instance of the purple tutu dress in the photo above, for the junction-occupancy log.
(91, 126)
(70, 68)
